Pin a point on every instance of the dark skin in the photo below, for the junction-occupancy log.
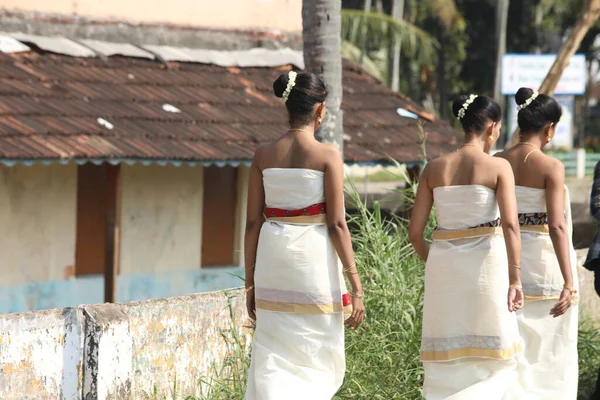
(544, 172)
(471, 165)
(298, 148)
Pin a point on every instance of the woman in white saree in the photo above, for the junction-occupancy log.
(548, 321)
(470, 336)
(297, 245)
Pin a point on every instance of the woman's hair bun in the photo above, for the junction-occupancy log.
(458, 103)
(523, 95)
(280, 85)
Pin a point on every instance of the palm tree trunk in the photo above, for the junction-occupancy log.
(321, 33)
(588, 17)
(395, 48)
(501, 22)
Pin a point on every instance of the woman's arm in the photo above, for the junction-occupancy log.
(420, 216)
(507, 201)
(595, 197)
(338, 230)
(555, 204)
(254, 221)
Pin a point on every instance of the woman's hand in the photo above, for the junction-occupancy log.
(563, 304)
(515, 298)
(358, 313)
(251, 304)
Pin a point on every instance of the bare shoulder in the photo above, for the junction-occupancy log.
(501, 164)
(553, 168)
(260, 154)
(330, 153)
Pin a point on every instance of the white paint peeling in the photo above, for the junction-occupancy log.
(113, 351)
(40, 355)
(114, 360)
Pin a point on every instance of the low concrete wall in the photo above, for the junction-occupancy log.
(117, 351)
(589, 307)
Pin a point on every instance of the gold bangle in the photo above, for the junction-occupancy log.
(515, 266)
(570, 289)
(517, 287)
(346, 269)
(357, 295)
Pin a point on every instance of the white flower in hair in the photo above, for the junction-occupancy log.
(534, 95)
(466, 104)
(290, 85)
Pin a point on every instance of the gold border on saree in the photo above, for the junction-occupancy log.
(449, 355)
(297, 308)
(466, 233)
(535, 228)
(574, 299)
(302, 219)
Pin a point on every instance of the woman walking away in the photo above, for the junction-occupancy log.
(470, 335)
(548, 322)
(296, 235)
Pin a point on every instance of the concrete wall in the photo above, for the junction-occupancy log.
(590, 302)
(37, 216)
(117, 351)
(282, 15)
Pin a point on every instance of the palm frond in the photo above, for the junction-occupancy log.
(353, 53)
(381, 28)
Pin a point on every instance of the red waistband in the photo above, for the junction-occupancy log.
(315, 209)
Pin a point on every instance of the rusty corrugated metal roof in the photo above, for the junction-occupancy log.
(56, 107)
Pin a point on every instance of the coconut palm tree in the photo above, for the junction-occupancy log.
(321, 33)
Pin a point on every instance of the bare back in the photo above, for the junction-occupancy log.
(468, 166)
(294, 150)
(531, 167)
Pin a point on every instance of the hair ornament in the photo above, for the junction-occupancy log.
(466, 104)
(534, 95)
(290, 85)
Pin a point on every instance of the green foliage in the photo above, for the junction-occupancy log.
(588, 344)
(380, 28)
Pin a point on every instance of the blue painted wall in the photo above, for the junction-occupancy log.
(90, 289)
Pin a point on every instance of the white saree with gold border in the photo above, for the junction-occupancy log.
(298, 344)
(550, 370)
(470, 339)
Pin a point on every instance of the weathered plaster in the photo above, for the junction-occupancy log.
(107, 353)
(178, 340)
(130, 287)
(161, 218)
(40, 355)
(37, 211)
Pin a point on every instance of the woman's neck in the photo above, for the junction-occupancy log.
(533, 139)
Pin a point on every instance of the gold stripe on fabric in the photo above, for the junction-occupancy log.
(299, 308)
(535, 228)
(466, 233)
(470, 352)
(302, 219)
(574, 299)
